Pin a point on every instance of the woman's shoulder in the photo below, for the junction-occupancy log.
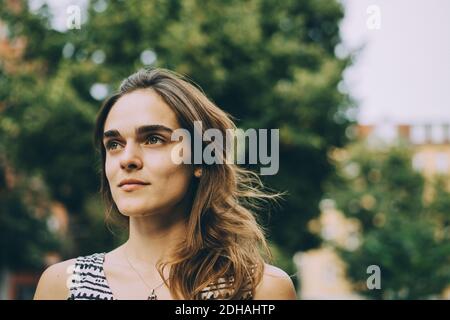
(275, 284)
(55, 281)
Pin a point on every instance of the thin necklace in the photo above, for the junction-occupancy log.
(152, 295)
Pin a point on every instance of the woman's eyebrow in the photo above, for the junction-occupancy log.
(139, 131)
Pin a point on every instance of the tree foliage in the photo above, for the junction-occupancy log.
(402, 232)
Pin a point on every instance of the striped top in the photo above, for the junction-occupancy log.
(88, 282)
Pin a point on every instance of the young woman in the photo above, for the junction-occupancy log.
(192, 234)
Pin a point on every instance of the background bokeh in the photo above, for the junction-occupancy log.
(360, 193)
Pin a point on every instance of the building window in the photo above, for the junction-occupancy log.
(441, 162)
(386, 132)
(418, 134)
(418, 161)
(438, 134)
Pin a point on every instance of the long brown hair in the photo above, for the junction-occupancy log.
(223, 238)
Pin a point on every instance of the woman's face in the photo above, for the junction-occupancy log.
(137, 141)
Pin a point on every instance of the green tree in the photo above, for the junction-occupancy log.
(401, 232)
(24, 234)
(271, 64)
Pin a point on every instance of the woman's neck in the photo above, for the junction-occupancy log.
(152, 237)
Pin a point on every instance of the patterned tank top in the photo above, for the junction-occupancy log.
(89, 282)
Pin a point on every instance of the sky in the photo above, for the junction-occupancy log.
(402, 73)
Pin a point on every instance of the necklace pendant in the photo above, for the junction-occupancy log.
(153, 296)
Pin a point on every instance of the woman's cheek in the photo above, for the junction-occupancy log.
(173, 178)
(109, 170)
(162, 163)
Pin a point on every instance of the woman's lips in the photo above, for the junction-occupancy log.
(132, 186)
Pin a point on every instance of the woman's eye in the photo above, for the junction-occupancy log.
(111, 145)
(154, 140)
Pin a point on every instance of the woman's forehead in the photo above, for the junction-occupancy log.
(140, 108)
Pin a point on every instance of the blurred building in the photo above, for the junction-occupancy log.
(21, 285)
(321, 272)
(430, 143)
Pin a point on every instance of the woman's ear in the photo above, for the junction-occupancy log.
(198, 172)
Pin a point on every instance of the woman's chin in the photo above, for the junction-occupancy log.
(134, 211)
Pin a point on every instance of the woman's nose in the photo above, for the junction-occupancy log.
(131, 158)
